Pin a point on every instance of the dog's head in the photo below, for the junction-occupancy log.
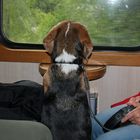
(68, 41)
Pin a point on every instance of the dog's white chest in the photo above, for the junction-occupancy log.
(67, 68)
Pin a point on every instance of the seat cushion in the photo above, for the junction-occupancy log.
(23, 130)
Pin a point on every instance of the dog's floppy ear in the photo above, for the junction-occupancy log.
(48, 41)
(84, 39)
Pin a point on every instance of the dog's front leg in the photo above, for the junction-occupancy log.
(45, 115)
(84, 82)
(46, 80)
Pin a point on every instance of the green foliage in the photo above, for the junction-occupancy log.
(110, 23)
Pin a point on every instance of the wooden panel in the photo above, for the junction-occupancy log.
(116, 58)
(97, 58)
(23, 55)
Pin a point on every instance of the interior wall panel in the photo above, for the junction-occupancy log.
(11, 72)
(118, 83)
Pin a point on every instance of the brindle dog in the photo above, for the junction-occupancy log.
(65, 108)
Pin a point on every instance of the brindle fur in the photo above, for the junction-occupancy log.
(65, 108)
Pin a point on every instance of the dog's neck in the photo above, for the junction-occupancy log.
(68, 62)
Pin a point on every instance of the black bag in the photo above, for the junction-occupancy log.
(21, 100)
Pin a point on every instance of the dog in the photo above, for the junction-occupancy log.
(66, 109)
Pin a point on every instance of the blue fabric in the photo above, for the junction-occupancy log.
(129, 132)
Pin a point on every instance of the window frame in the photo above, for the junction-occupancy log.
(21, 52)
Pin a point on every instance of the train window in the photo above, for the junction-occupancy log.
(111, 23)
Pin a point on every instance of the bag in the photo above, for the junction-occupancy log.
(21, 100)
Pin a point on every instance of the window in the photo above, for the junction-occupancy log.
(111, 23)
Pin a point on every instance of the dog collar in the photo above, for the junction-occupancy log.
(77, 61)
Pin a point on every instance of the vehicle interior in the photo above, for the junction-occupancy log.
(113, 69)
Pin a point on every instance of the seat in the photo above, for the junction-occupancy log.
(20, 109)
(23, 130)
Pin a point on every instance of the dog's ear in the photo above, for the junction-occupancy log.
(48, 41)
(84, 39)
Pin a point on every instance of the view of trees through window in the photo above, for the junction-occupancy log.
(109, 22)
